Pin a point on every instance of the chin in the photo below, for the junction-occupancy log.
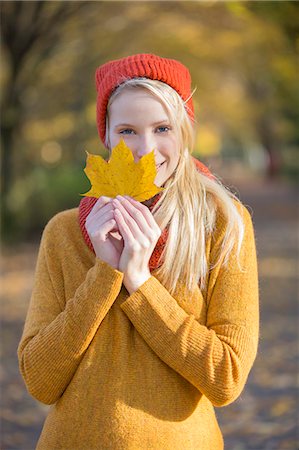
(159, 182)
(162, 180)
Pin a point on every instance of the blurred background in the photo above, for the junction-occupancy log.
(243, 58)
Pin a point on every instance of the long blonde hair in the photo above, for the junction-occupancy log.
(189, 202)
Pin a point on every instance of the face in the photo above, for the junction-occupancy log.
(141, 120)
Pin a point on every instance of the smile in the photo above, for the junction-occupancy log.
(159, 165)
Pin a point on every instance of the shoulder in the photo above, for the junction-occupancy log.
(63, 228)
(244, 210)
(67, 218)
(237, 210)
(233, 226)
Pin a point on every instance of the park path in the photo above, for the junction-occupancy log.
(264, 416)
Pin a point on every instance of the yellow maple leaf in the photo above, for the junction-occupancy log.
(121, 175)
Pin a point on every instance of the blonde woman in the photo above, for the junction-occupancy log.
(144, 316)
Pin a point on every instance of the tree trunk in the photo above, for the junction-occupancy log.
(269, 143)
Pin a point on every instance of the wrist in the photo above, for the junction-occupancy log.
(132, 284)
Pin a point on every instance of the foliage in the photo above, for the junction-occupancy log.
(121, 175)
(242, 57)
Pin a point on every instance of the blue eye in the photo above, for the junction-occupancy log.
(163, 129)
(126, 131)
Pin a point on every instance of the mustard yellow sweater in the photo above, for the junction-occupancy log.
(141, 371)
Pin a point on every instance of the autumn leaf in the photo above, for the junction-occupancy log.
(121, 175)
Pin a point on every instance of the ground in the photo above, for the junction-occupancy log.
(265, 416)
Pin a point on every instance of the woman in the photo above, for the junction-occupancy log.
(144, 316)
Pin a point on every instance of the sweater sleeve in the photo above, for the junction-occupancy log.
(56, 335)
(216, 357)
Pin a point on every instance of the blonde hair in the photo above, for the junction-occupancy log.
(189, 202)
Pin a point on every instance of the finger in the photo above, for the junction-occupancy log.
(146, 214)
(128, 218)
(97, 229)
(135, 213)
(96, 215)
(102, 217)
(101, 233)
(103, 200)
(142, 231)
(123, 227)
(117, 241)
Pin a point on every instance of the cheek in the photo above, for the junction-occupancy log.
(115, 138)
(173, 153)
(112, 140)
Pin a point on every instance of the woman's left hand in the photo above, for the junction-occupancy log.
(140, 233)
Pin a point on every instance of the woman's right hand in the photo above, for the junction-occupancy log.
(100, 223)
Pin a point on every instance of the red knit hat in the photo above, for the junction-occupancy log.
(110, 75)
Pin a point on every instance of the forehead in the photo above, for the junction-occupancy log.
(136, 101)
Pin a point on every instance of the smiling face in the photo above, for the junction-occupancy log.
(142, 121)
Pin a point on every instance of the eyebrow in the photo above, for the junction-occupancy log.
(160, 122)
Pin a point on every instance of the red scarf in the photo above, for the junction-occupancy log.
(87, 203)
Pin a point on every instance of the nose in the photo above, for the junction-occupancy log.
(146, 143)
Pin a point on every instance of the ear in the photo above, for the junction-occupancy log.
(107, 144)
(109, 149)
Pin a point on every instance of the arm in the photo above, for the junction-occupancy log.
(215, 358)
(55, 335)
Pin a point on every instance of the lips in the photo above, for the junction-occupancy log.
(159, 165)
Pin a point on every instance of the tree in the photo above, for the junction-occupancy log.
(241, 56)
(24, 27)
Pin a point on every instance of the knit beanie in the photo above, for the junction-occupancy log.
(110, 75)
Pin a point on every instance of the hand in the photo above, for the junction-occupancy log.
(140, 233)
(103, 232)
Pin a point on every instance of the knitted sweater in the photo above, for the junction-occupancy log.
(141, 371)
